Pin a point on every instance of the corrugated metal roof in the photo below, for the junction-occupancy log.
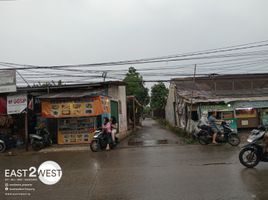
(72, 94)
(223, 88)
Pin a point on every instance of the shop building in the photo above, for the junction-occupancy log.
(241, 99)
(12, 107)
(73, 112)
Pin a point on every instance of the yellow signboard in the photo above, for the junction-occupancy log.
(76, 130)
(92, 106)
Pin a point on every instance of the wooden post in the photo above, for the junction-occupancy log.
(191, 108)
(134, 114)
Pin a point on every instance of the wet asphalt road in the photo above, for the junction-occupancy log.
(148, 170)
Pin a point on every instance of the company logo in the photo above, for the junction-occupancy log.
(49, 172)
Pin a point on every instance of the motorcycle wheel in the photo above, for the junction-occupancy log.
(36, 146)
(203, 140)
(234, 140)
(2, 147)
(94, 146)
(248, 157)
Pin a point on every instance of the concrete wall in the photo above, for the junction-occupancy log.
(169, 109)
(118, 93)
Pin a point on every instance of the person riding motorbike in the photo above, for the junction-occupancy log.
(114, 128)
(204, 123)
(214, 127)
(108, 130)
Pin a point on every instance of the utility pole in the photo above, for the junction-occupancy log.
(192, 94)
(26, 127)
(104, 75)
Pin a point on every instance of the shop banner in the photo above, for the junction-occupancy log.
(16, 103)
(211, 108)
(92, 106)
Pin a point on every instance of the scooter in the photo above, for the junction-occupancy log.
(100, 141)
(7, 142)
(40, 139)
(227, 135)
(254, 152)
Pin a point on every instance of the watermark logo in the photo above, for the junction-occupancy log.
(21, 181)
(49, 172)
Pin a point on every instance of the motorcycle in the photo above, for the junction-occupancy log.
(226, 136)
(40, 139)
(6, 142)
(254, 152)
(100, 141)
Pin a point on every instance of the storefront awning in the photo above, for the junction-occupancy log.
(251, 104)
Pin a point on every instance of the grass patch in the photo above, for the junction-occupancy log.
(186, 137)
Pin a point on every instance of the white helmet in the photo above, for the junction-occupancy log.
(205, 113)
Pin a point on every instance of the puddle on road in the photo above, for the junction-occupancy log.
(139, 142)
(218, 163)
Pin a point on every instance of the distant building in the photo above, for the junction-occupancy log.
(241, 99)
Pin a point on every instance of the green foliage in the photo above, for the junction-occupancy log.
(159, 96)
(135, 86)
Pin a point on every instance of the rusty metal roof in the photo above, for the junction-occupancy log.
(224, 88)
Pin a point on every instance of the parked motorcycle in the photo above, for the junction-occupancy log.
(254, 152)
(40, 139)
(100, 141)
(7, 142)
(226, 136)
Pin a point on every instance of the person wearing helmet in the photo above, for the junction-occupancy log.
(204, 123)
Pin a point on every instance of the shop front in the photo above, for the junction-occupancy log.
(12, 116)
(223, 112)
(76, 118)
(247, 117)
(250, 114)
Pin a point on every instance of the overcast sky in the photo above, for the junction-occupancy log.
(56, 32)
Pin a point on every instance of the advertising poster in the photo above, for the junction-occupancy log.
(16, 103)
(92, 106)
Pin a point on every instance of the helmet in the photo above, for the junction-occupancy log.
(205, 113)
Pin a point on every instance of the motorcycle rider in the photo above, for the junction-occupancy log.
(204, 123)
(114, 128)
(108, 130)
(214, 127)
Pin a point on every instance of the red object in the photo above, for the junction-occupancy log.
(3, 106)
(30, 105)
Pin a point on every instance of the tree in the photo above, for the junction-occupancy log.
(135, 86)
(159, 94)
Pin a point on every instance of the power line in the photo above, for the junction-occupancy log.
(148, 60)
